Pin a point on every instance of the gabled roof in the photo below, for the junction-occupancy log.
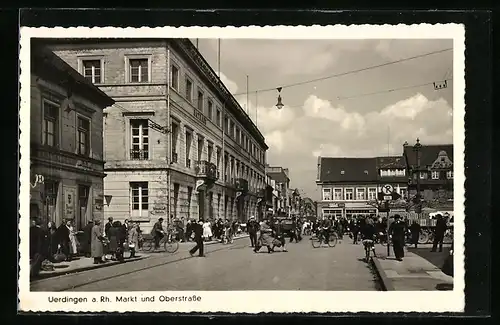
(428, 154)
(391, 162)
(348, 169)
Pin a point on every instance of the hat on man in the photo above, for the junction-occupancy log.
(397, 216)
(160, 219)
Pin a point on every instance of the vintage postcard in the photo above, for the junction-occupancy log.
(242, 170)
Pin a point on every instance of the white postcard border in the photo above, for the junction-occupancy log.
(255, 301)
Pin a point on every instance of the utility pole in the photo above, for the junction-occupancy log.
(417, 147)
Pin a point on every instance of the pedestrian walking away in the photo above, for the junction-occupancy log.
(397, 231)
(439, 233)
(252, 227)
(198, 238)
(415, 233)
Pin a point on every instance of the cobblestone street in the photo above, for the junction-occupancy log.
(232, 267)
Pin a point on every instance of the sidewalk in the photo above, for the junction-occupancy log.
(85, 263)
(414, 273)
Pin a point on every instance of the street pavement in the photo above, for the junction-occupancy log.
(230, 267)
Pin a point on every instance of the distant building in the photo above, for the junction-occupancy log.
(177, 141)
(67, 165)
(348, 185)
(434, 168)
(280, 176)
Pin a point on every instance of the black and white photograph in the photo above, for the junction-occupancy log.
(215, 169)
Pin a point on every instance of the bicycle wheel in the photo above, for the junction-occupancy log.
(147, 245)
(316, 242)
(332, 240)
(171, 246)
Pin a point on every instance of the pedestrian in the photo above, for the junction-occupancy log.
(108, 226)
(63, 239)
(279, 236)
(96, 245)
(52, 241)
(72, 240)
(265, 237)
(189, 229)
(133, 239)
(252, 227)
(198, 238)
(397, 232)
(439, 233)
(87, 234)
(415, 233)
(293, 231)
(207, 231)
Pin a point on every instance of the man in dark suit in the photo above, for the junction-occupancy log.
(253, 227)
(108, 226)
(439, 233)
(198, 238)
(398, 230)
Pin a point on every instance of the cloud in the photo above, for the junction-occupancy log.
(230, 85)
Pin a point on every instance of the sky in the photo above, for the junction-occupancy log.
(335, 117)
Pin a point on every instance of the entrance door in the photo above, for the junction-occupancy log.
(201, 204)
(83, 198)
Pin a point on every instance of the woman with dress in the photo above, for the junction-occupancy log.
(207, 230)
(133, 239)
(73, 247)
(266, 238)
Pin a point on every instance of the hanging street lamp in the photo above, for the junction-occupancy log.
(279, 104)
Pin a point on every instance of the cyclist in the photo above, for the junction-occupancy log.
(368, 235)
(325, 229)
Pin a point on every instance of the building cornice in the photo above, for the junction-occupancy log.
(188, 50)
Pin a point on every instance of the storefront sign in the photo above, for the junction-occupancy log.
(69, 202)
(98, 203)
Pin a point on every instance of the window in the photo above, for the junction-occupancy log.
(189, 140)
(140, 197)
(174, 77)
(435, 174)
(140, 140)
(327, 194)
(337, 194)
(423, 175)
(349, 194)
(218, 158)
(83, 136)
(50, 124)
(360, 194)
(201, 97)
(217, 117)
(449, 174)
(175, 137)
(83, 198)
(92, 70)
(189, 90)
(139, 70)
(200, 147)
(210, 110)
(176, 198)
(231, 128)
(226, 124)
(372, 193)
(210, 152)
(237, 135)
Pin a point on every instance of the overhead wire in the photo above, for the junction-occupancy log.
(350, 72)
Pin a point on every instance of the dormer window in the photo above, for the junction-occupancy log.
(342, 172)
(366, 172)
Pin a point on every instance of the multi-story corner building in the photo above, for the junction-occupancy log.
(66, 149)
(348, 186)
(280, 176)
(392, 171)
(177, 142)
(433, 166)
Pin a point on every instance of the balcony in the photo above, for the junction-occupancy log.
(241, 185)
(205, 169)
(139, 154)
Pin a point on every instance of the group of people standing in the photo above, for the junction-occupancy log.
(211, 229)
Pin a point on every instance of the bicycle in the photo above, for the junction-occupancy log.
(369, 247)
(318, 240)
(168, 241)
(227, 238)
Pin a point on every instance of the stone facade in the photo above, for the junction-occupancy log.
(168, 177)
(66, 149)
